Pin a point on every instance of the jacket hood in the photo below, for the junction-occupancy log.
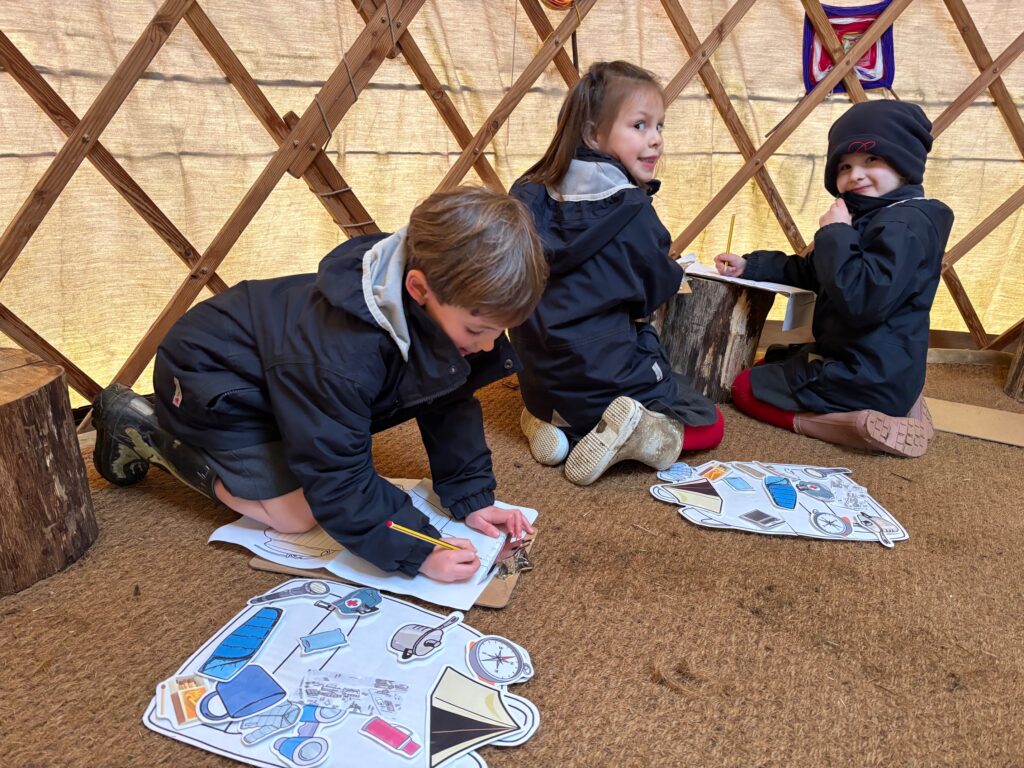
(593, 203)
(370, 284)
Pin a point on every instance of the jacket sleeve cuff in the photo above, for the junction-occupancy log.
(461, 508)
(752, 269)
(419, 552)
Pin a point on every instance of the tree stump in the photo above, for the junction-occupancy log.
(711, 334)
(1015, 380)
(46, 515)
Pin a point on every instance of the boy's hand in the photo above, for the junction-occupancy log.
(491, 519)
(451, 564)
(730, 264)
(837, 213)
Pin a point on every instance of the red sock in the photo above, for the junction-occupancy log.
(702, 438)
(743, 397)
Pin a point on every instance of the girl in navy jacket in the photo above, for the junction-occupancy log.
(594, 371)
(875, 268)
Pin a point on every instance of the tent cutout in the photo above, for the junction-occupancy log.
(465, 714)
(697, 493)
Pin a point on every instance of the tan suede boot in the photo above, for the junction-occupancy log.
(548, 444)
(899, 436)
(626, 430)
(921, 413)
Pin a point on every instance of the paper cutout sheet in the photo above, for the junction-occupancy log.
(799, 301)
(782, 500)
(316, 549)
(352, 705)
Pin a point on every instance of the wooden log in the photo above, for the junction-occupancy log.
(1015, 380)
(711, 334)
(47, 519)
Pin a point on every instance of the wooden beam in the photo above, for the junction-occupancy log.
(322, 177)
(515, 94)
(989, 75)
(720, 98)
(702, 54)
(789, 124)
(62, 115)
(1008, 336)
(334, 99)
(428, 80)
(979, 52)
(84, 136)
(981, 231)
(19, 331)
(830, 41)
(967, 311)
(540, 22)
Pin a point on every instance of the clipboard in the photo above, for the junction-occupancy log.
(495, 595)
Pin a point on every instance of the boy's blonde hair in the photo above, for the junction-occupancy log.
(588, 112)
(479, 251)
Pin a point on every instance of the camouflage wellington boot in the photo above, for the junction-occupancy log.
(129, 439)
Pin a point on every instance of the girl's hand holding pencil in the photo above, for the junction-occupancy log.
(730, 264)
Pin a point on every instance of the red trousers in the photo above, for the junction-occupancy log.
(743, 397)
(702, 438)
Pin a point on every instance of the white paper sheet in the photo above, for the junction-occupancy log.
(316, 549)
(799, 302)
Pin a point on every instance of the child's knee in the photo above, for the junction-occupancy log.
(293, 524)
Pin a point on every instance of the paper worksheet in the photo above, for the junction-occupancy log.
(799, 301)
(316, 549)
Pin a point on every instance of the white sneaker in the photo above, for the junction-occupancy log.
(626, 430)
(548, 444)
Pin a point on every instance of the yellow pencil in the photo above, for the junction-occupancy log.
(422, 536)
(728, 243)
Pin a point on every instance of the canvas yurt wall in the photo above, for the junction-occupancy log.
(91, 276)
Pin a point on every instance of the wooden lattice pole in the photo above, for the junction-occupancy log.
(322, 176)
(83, 138)
(428, 80)
(823, 27)
(300, 150)
(540, 23)
(1015, 380)
(701, 52)
(19, 331)
(789, 124)
(515, 94)
(61, 114)
(979, 52)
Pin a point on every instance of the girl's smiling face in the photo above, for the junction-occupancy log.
(867, 175)
(634, 137)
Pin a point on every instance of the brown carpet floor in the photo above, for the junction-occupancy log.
(660, 645)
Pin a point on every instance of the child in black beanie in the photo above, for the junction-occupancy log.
(875, 268)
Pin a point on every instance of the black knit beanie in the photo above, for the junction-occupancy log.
(896, 131)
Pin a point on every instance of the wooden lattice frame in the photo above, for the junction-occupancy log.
(301, 139)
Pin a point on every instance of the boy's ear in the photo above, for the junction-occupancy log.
(417, 286)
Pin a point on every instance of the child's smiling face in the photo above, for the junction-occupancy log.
(634, 137)
(867, 175)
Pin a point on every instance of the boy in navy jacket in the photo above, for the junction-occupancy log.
(875, 267)
(267, 395)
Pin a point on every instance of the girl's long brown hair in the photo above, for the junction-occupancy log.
(587, 111)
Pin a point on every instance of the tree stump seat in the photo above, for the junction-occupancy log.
(711, 333)
(46, 514)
